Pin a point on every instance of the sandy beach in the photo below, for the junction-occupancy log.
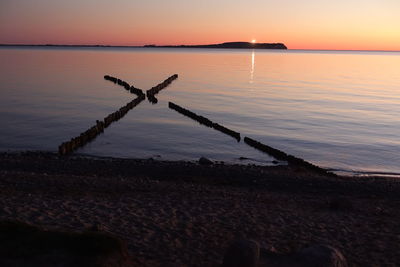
(186, 214)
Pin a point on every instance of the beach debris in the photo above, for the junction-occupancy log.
(205, 161)
(204, 121)
(156, 89)
(242, 253)
(280, 155)
(124, 84)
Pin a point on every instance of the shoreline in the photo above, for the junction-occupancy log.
(252, 162)
(348, 173)
(187, 214)
(279, 166)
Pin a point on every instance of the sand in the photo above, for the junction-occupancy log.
(185, 214)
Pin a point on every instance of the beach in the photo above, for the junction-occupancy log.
(180, 213)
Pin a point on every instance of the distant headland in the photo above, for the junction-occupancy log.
(242, 45)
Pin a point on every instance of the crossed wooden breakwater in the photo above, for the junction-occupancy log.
(156, 89)
(204, 121)
(280, 155)
(94, 131)
(90, 134)
(124, 84)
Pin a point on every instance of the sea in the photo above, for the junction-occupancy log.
(337, 109)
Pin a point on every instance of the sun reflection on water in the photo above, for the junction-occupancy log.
(252, 66)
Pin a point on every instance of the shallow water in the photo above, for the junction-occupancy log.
(339, 110)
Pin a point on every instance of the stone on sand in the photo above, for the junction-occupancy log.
(321, 256)
(313, 256)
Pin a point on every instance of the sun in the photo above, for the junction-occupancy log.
(253, 41)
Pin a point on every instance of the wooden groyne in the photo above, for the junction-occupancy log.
(204, 121)
(156, 89)
(117, 115)
(90, 134)
(124, 84)
(280, 155)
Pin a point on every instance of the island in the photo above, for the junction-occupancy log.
(242, 45)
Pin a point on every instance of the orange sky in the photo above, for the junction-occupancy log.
(308, 24)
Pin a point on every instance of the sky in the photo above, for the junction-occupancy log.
(307, 24)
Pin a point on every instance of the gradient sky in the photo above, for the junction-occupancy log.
(307, 24)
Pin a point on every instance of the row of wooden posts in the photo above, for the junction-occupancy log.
(124, 84)
(90, 134)
(156, 89)
(280, 155)
(276, 153)
(204, 121)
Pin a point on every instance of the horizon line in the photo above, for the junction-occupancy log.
(177, 46)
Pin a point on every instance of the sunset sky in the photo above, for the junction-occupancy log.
(307, 24)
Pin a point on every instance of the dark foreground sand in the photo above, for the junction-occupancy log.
(185, 214)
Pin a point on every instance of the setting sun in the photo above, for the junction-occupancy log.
(253, 41)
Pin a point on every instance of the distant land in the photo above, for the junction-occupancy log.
(230, 45)
(242, 45)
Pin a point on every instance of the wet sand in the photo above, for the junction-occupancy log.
(186, 214)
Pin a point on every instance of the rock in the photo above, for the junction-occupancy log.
(242, 253)
(313, 256)
(29, 246)
(205, 161)
(321, 256)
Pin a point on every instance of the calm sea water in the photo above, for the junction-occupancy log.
(340, 110)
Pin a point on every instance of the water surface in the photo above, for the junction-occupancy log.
(339, 110)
